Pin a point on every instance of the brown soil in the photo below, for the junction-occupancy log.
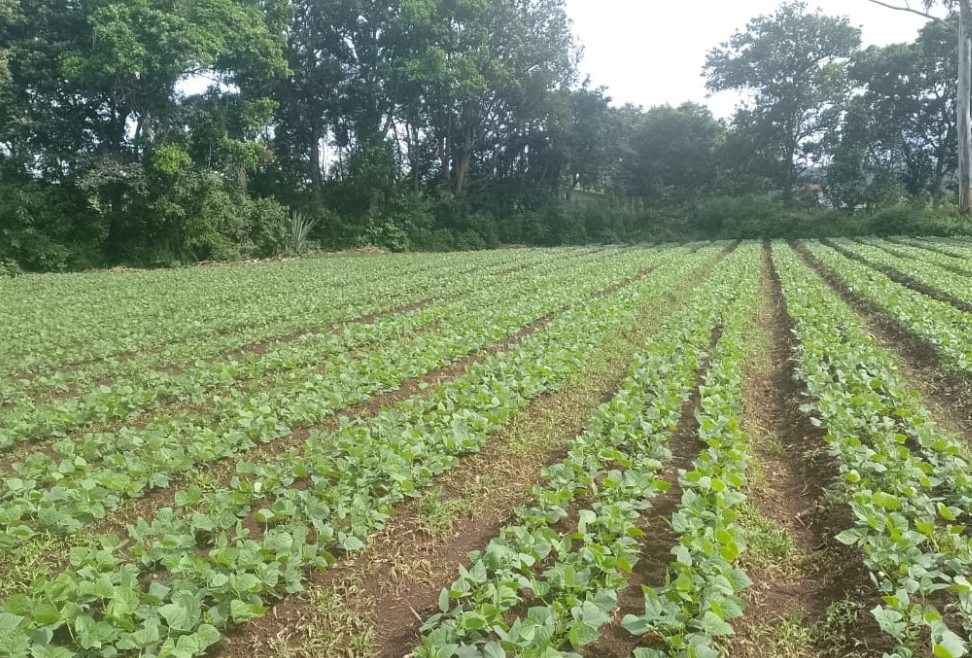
(656, 546)
(957, 266)
(263, 347)
(512, 270)
(260, 348)
(223, 470)
(931, 247)
(904, 279)
(405, 568)
(397, 580)
(787, 489)
(946, 392)
(368, 249)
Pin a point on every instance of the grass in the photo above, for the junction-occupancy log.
(768, 545)
(795, 637)
(436, 514)
(45, 555)
(792, 637)
(328, 627)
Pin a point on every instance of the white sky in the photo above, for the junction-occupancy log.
(651, 52)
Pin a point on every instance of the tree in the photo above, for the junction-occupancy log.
(489, 72)
(592, 141)
(793, 65)
(964, 89)
(901, 129)
(674, 153)
(9, 14)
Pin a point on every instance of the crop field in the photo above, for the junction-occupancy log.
(715, 449)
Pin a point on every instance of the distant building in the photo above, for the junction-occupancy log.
(813, 195)
(586, 198)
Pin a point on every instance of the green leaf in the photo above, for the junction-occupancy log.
(852, 536)
(207, 635)
(946, 512)
(889, 620)
(885, 500)
(950, 645)
(183, 613)
(352, 544)
(494, 650)
(9, 623)
(636, 625)
(147, 636)
(715, 626)
(45, 614)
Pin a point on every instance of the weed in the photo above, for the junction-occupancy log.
(437, 514)
(769, 544)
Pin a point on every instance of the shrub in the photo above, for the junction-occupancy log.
(441, 239)
(10, 268)
(470, 240)
(47, 228)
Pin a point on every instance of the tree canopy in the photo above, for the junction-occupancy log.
(161, 131)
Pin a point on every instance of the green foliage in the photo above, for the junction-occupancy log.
(797, 92)
(908, 480)
(371, 465)
(297, 230)
(674, 155)
(10, 268)
(170, 160)
(441, 125)
(900, 133)
(571, 580)
(49, 229)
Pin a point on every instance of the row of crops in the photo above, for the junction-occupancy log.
(173, 441)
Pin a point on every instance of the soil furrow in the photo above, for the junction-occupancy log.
(14, 570)
(389, 589)
(415, 556)
(808, 589)
(655, 555)
(221, 472)
(928, 246)
(890, 248)
(943, 390)
(903, 278)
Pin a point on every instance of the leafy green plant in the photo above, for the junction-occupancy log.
(613, 466)
(297, 231)
(10, 268)
(314, 501)
(692, 611)
(909, 481)
(302, 396)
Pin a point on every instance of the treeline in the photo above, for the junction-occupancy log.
(154, 132)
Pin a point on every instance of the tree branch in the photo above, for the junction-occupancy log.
(908, 9)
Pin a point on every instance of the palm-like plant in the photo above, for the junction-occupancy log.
(297, 232)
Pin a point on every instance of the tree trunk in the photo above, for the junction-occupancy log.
(938, 186)
(789, 177)
(965, 107)
(462, 167)
(317, 186)
(445, 152)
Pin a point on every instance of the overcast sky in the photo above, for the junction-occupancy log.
(651, 52)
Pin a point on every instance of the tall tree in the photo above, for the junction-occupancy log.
(792, 64)
(102, 77)
(901, 127)
(488, 72)
(674, 153)
(963, 91)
